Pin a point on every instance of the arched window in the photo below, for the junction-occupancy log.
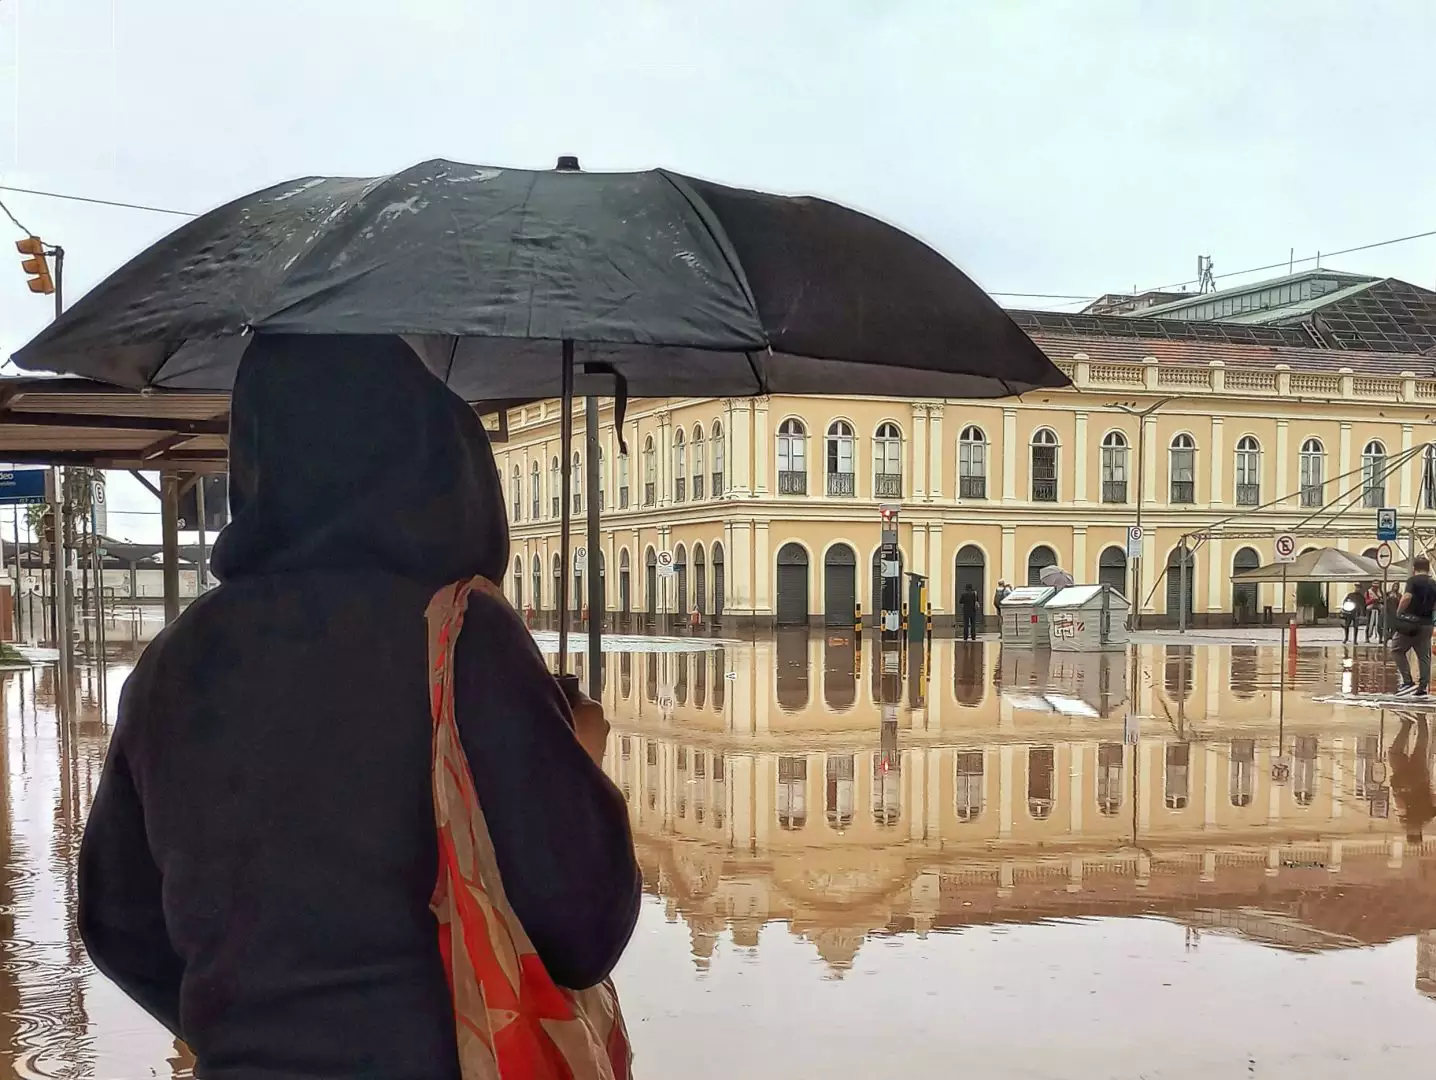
(1109, 778)
(1244, 593)
(719, 460)
(792, 800)
(841, 469)
(516, 493)
(1042, 557)
(1112, 569)
(840, 791)
(1177, 596)
(1313, 473)
(1428, 478)
(623, 481)
(555, 487)
(1182, 469)
(1241, 784)
(700, 581)
(576, 483)
(1373, 475)
(887, 461)
(518, 582)
(1041, 764)
(792, 458)
(972, 464)
(1044, 465)
(970, 784)
(1177, 780)
(1248, 471)
(680, 467)
(1114, 467)
(535, 491)
(537, 571)
(700, 462)
(602, 494)
(650, 472)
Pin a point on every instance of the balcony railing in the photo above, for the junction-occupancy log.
(577, 503)
(1184, 492)
(623, 498)
(718, 485)
(555, 506)
(792, 483)
(972, 487)
(1373, 498)
(888, 485)
(648, 493)
(680, 489)
(1044, 490)
(842, 483)
(534, 512)
(1248, 494)
(1114, 491)
(1313, 495)
(698, 486)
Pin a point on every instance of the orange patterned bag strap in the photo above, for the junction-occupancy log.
(513, 1021)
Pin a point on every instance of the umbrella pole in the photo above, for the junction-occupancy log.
(566, 494)
(593, 568)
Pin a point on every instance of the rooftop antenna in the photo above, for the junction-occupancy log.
(1290, 261)
(1205, 281)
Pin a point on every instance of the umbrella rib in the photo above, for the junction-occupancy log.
(721, 242)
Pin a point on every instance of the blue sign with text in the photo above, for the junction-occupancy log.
(1386, 523)
(19, 486)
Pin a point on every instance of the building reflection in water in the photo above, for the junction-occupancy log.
(1008, 788)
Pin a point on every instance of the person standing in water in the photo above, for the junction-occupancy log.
(1412, 632)
(971, 605)
(265, 843)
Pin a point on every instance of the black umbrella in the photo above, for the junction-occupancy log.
(654, 283)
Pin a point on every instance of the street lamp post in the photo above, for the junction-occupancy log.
(1130, 408)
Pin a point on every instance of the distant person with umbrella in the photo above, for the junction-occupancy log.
(971, 605)
(336, 837)
(1411, 776)
(1353, 614)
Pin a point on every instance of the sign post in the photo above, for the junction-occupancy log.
(1285, 553)
(890, 592)
(1134, 542)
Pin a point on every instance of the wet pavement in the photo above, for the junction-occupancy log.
(1172, 864)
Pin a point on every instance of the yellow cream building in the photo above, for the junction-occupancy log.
(770, 506)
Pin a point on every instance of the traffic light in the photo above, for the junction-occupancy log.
(36, 265)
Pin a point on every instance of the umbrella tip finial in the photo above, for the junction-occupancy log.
(567, 163)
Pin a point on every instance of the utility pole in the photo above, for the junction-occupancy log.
(1130, 408)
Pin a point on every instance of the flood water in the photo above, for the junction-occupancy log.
(1177, 864)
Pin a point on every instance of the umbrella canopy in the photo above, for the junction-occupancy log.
(679, 285)
(1319, 564)
(1055, 577)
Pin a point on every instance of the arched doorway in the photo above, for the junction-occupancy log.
(1244, 594)
(680, 581)
(1042, 557)
(840, 585)
(650, 583)
(538, 583)
(700, 574)
(718, 582)
(792, 577)
(557, 582)
(1112, 569)
(518, 582)
(878, 582)
(1175, 577)
(625, 588)
(971, 570)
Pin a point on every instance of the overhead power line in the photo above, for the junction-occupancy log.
(16, 220)
(97, 202)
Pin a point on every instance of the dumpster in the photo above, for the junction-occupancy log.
(1024, 621)
(1087, 618)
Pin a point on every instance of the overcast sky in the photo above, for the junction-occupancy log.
(1052, 146)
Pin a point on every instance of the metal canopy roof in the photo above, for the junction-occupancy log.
(65, 421)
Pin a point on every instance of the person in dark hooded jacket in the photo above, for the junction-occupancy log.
(259, 858)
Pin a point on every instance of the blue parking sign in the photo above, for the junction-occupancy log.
(1386, 523)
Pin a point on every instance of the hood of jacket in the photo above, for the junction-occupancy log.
(347, 453)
